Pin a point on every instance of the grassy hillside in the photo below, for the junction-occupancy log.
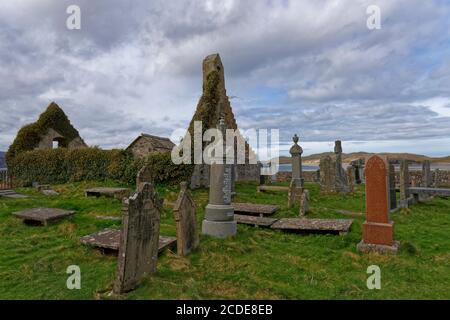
(348, 157)
(257, 264)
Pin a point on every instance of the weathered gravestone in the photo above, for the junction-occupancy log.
(304, 203)
(392, 191)
(327, 174)
(144, 176)
(296, 161)
(378, 228)
(404, 184)
(186, 222)
(294, 194)
(333, 177)
(351, 178)
(138, 251)
(426, 174)
(219, 213)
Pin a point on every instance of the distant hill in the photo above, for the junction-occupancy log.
(348, 157)
(2, 159)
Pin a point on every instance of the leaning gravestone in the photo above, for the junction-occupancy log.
(378, 228)
(138, 251)
(186, 222)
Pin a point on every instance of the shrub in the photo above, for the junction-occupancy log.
(64, 165)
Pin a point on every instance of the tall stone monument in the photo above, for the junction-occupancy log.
(138, 250)
(296, 158)
(186, 222)
(378, 228)
(219, 213)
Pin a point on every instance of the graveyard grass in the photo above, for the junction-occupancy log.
(257, 264)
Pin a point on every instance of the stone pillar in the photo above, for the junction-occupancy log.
(392, 191)
(296, 158)
(378, 228)
(219, 214)
(404, 183)
(426, 174)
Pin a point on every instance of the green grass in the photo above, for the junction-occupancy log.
(257, 264)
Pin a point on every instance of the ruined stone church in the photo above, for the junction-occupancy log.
(214, 104)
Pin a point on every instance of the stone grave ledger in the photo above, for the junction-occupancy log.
(377, 229)
(186, 222)
(139, 239)
(42, 215)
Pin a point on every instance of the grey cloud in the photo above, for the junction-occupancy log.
(306, 66)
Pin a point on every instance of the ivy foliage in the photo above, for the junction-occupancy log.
(62, 165)
(29, 136)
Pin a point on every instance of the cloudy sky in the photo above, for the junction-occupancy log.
(306, 67)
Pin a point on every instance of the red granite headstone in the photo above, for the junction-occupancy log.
(377, 229)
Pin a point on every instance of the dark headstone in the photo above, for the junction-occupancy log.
(138, 251)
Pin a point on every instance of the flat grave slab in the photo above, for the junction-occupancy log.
(12, 194)
(337, 226)
(109, 239)
(254, 209)
(255, 221)
(42, 215)
(117, 193)
(272, 188)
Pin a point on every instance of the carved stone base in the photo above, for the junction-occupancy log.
(379, 248)
(219, 229)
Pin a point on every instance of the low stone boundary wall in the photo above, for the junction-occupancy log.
(441, 178)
